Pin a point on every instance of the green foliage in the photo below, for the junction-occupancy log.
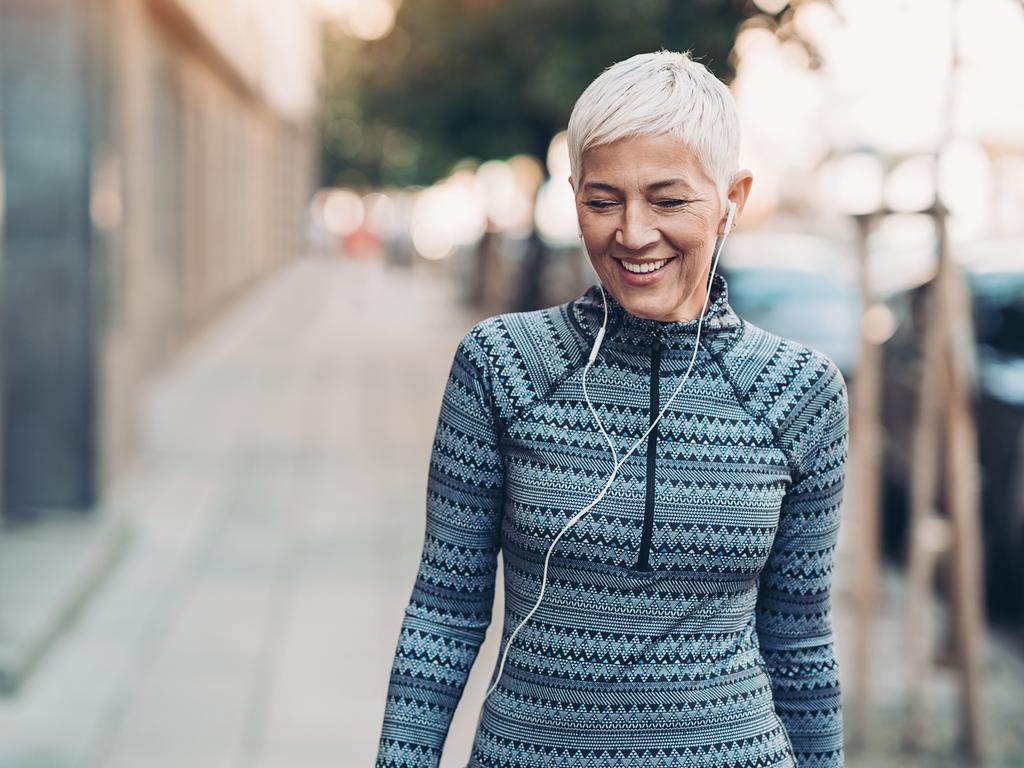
(492, 78)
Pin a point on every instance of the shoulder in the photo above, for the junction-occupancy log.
(766, 366)
(498, 342)
(541, 338)
(515, 328)
(523, 354)
(798, 390)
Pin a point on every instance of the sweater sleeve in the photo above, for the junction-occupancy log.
(793, 614)
(450, 607)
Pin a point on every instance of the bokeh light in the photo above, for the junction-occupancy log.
(556, 204)
(964, 186)
(448, 214)
(910, 186)
(856, 181)
(363, 19)
(343, 211)
(505, 202)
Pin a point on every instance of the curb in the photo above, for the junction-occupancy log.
(49, 571)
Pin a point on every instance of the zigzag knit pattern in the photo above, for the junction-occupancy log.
(687, 617)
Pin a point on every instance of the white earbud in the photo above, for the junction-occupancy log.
(728, 219)
(617, 462)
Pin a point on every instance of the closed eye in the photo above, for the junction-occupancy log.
(603, 205)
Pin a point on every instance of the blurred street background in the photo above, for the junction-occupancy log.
(239, 242)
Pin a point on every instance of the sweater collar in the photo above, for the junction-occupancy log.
(628, 329)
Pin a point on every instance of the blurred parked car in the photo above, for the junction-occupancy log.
(994, 273)
(802, 287)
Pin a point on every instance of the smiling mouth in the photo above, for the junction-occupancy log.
(645, 267)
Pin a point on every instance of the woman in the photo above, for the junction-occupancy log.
(663, 479)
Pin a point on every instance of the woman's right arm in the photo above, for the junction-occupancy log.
(450, 607)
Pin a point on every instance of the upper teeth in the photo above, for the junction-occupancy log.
(647, 266)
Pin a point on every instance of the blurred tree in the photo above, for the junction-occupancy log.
(492, 78)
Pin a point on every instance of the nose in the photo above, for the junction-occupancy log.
(637, 230)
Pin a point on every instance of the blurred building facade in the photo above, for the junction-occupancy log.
(157, 159)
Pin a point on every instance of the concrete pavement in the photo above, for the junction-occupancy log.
(277, 520)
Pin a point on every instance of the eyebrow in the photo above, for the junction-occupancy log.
(656, 185)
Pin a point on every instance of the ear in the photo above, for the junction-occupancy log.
(571, 184)
(739, 190)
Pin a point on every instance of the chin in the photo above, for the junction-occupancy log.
(651, 307)
(654, 313)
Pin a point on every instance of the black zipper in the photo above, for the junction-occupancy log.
(643, 560)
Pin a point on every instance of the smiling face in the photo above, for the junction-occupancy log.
(650, 216)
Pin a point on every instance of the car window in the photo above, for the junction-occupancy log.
(770, 285)
(998, 309)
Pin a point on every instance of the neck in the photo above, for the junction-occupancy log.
(625, 328)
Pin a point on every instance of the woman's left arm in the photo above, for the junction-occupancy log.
(794, 621)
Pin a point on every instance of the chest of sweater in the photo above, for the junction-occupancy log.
(701, 493)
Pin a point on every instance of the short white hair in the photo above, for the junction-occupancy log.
(656, 93)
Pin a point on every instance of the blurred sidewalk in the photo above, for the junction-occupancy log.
(277, 522)
(1003, 701)
(252, 620)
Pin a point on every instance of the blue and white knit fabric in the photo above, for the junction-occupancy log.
(687, 617)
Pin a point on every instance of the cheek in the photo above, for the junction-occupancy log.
(688, 237)
(597, 233)
(595, 250)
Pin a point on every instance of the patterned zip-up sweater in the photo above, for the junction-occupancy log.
(687, 617)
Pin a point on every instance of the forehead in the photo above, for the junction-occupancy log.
(641, 161)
